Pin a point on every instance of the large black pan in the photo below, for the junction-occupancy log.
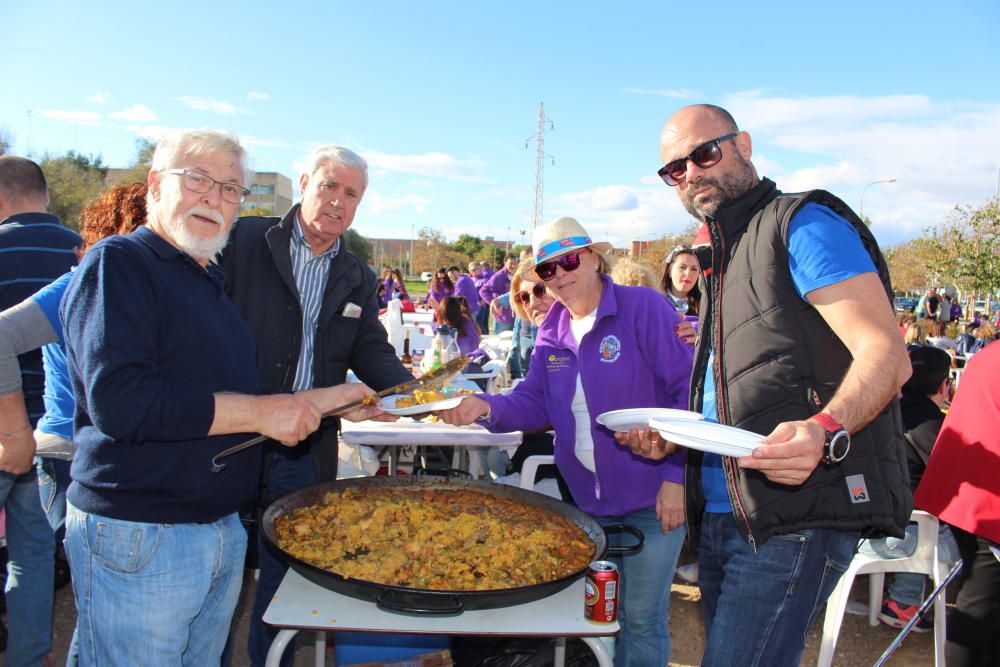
(424, 601)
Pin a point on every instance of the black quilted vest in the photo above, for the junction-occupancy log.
(780, 361)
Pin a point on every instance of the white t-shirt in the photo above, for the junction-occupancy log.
(584, 447)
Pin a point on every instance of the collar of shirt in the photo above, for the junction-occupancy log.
(299, 242)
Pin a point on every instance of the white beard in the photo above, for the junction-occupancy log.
(200, 248)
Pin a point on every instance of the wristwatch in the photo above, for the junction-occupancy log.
(838, 440)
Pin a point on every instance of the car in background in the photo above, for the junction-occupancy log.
(905, 304)
(426, 275)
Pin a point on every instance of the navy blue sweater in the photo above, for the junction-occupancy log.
(35, 249)
(150, 337)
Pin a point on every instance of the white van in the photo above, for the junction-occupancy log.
(426, 275)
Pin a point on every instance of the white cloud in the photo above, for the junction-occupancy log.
(676, 93)
(603, 198)
(434, 165)
(98, 98)
(79, 117)
(138, 113)
(843, 143)
(154, 132)
(260, 142)
(258, 96)
(378, 203)
(214, 106)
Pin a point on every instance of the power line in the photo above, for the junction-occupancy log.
(540, 155)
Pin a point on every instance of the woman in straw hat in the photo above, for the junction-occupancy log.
(601, 348)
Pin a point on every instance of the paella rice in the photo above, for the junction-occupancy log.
(435, 539)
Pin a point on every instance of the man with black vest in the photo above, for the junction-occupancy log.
(799, 344)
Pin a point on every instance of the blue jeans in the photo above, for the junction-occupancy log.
(758, 606)
(31, 547)
(907, 588)
(153, 594)
(288, 470)
(500, 327)
(53, 480)
(644, 594)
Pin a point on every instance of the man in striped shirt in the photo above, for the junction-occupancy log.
(313, 309)
(35, 249)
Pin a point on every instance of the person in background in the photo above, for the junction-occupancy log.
(630, 272)
(385, 286)
(483, 311)
(924, 394)
(36, 249)
(904, 320)
(938, 336)
(310, 304)
(944, 309)
(681, 272)
(965, 340)
(983, 335)
(817, 375)
(452, 312)
(399, 286)
(915, 335)
(465, 287)
(438, 288)
(598, 349)
(499, 283)
(956, 311)
(960, 487)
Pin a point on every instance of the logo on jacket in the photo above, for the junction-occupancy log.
(557, 362)
(611, 349)
(857, 488)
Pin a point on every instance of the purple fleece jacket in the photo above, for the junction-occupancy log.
(630, 359)
(498, 284)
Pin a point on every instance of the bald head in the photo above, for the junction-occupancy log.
(703, 188)
(22, 186)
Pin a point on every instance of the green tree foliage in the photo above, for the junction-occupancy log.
(6, 141)
(358, 245)
(967, 247)
(257, 210)
(139, 168)
(468, 245)
(75, 180)
(912, 264)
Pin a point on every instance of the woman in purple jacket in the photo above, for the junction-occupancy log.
(438, 288)
(603, 347)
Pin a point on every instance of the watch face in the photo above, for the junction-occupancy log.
(840, 444)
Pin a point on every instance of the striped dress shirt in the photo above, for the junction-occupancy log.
(311, 272)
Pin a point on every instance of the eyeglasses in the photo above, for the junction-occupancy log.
(523, 297)
(569, 262)
(704, 156)
(195, 181)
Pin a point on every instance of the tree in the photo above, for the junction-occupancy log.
(968, 249)
(6, 141)
(257, 210)
(75, 180)
(139, 168)
(468, 245)
(911, 264)
(358, 245)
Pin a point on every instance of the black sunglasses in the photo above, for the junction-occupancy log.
(569, 262)
(704, 156)
(523, 297)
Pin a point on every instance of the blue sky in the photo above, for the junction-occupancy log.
(441, 96)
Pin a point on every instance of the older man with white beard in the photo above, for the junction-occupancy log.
(164, 371)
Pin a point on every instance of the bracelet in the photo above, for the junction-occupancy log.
(487, 416)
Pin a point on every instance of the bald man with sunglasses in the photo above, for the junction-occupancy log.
(798, 344)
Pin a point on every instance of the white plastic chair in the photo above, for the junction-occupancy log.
(529, 469)
(924, 561)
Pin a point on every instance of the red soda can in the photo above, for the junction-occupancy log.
(600, 592)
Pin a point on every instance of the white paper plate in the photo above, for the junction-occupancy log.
(389, 406)
(623, 420)
(708, 436)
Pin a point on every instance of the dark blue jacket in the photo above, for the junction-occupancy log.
(150, 337)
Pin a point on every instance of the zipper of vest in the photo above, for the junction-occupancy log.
(728, 464)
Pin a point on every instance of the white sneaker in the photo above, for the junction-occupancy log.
(688, 573)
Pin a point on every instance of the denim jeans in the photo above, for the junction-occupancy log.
(644, 593)
(758, 607)
(153, 594)
(288, 470)
(53, 480)
(907, 588)
(30, 570)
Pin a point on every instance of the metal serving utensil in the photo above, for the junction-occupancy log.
(431, 380)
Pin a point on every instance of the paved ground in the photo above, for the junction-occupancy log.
(859, 643)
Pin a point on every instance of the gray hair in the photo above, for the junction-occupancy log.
(337, 155)
(180, 145)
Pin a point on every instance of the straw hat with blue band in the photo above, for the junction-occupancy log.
(563, 236)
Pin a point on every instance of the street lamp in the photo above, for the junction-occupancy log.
(861, 208)
(410, 267)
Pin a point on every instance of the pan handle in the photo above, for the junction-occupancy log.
(628, 548)
(384, 603)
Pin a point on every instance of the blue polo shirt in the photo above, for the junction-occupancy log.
(150, 337)
(823, 249)
(35, 249)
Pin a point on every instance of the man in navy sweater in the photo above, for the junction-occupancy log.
(165, 375)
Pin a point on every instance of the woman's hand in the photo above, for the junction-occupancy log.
(469, 410)
(647, 443)
(670, 505)
(685, 331)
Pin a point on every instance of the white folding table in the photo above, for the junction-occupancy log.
(396, 434)
(300, 604)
